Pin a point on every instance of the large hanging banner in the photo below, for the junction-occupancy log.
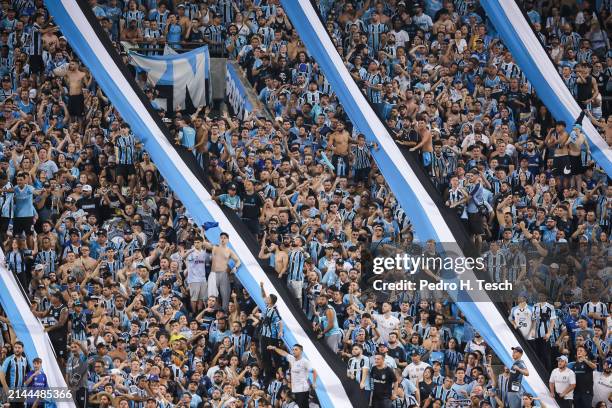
(181, 80)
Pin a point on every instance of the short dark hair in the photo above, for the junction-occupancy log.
(224, 234)
(273, 298)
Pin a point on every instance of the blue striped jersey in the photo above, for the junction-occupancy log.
(543, 315)
(270, 323)
(16, 261)
(374, 34)
(47, 258)
(126, 148)
(374, 95)
(295, 270)
(134, 15)
(15, 369)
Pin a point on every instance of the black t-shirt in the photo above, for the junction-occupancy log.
(383, 379)
(426, 389)
(252, 203)
(584, 378)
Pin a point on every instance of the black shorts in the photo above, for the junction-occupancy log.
(125, 170)
(475, 223)
(575, 163)
(562, 167)
(76, 105)
(22, 224)
(36, 64)
(59, 343)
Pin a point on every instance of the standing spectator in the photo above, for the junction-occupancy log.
(383, 381)
(14, 370)
(517, 371)
(562, 383)
(300, 370)
(271, 332)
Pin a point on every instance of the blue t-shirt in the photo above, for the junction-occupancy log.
(188, 137)
(24, 201)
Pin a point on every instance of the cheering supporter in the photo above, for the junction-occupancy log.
(145, 312)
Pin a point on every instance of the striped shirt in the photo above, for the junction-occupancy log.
(36, 45)
(598, 307)
(443, 394)
(214, 34)
(16, 261)
(241, 343)
(516, 263)
(134, 15)
(295, 270)
(270, 323)
(15, 369)
(543, 315)
(374, 95)
(355, 369)
(374, 34)
(361, 158)
(495, 264)
(266, 34)
(126, 147)
(47, 258)
(226, 10)
(273, 391)
(510, 70)
(503, 382)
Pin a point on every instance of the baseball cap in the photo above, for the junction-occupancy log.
(39, 267)
(564, 358)
(87, 187)
(518, 348)
(231, 187)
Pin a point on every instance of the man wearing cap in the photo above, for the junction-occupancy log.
(517, 371)
(414, 370)
(602, 383)
(562, 383)
(230, 199)
(88, 203)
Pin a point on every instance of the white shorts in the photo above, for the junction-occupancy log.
(295, 287)
(198, 291)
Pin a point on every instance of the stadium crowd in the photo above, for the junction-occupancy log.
(144, 312)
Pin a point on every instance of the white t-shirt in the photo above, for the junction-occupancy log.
(602, 387)
(562, 379)
(196, 266)
(385, 325)
(414, 372)
(299, 373)
(524, 319)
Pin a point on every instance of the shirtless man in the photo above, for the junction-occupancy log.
(605, 125)
(281, 258)
(220, 270)
(425, 144)
(556, 139)
(77, 80)
(339, 143)
(574, 143)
